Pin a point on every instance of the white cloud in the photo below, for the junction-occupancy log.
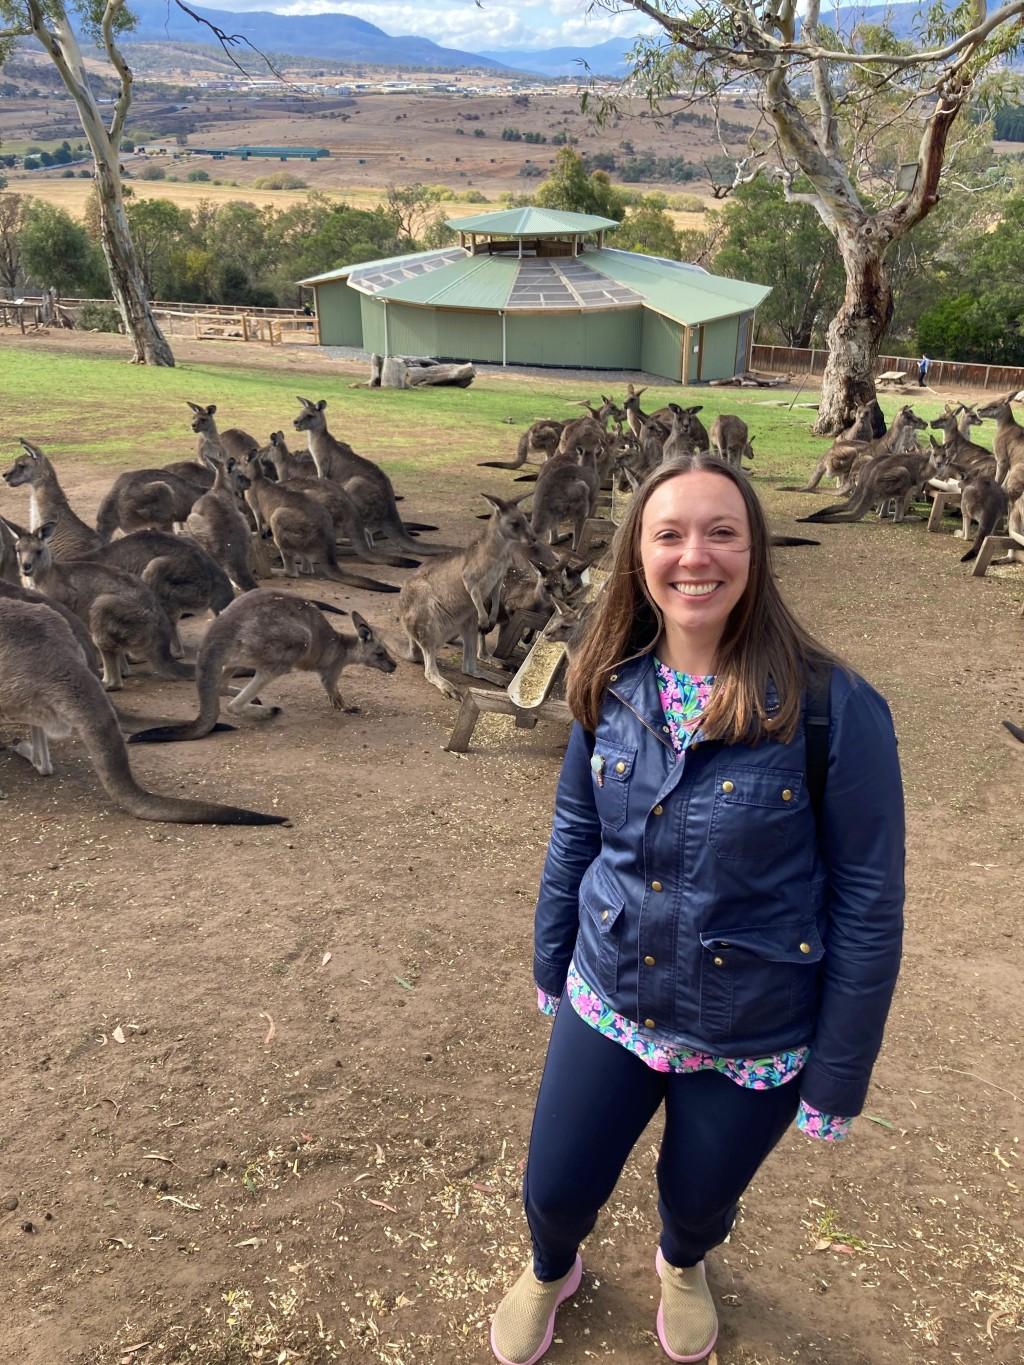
(462, 24)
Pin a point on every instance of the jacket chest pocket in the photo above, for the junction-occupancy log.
(755, 814)
(612, 768)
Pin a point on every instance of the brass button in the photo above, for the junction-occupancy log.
(614, 677)
(719, 961)
(648, 961)
(787, 795)
(805, 947)
(648, 1023)
(620, 767)
(658, 810)
(728, 787)
(604, 914)
(655, 886)
(665, 728)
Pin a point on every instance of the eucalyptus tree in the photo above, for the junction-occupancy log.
(862, 127)
(52, 23)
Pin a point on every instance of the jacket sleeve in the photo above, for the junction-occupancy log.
(575, 843)
(862, 837)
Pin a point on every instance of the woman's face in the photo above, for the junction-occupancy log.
(695, 554)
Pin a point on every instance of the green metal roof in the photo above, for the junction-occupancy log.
(531, 222)
(684, 293)
(474, 282)
(383, 263)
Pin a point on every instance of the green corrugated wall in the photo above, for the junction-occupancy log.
(412, 331)
(596, 340)
(661, 346)
(719, 359)
(372, 311)
(462, 335)
(341, 322)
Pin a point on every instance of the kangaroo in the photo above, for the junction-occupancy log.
(217, 524)
(288, 464)
(843, 457)
(587, 433)
(965, 419)
(637, 418)
(984, 501)
(540, 438)
(1008, 445)
(962, 454)
(1014, 730)
(181, 573)
(46, 683)
(47, 503)
(566, 491)
(301, 527)
(145, 499)
(215, 445)
(687, 435)
(365, 482)
(9, 534)
(121, 612)
(730, 439)
(458, 596)
(894, 477)
(273, 634)
(346, 516)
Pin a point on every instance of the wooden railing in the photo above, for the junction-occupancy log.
(942, 373)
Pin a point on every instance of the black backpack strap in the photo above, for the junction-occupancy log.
(816, 726)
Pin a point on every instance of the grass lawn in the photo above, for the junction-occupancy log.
(97, 407)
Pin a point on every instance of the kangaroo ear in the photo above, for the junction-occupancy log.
(698, 408)
(362, 626)
(194, 406)
(32, 451)
(321, 405)
(211, 409)
(277, 436)
(495, 502)
(47, 530)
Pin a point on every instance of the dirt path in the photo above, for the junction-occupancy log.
(308, 1144)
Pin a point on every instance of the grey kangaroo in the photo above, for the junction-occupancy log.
(1008, 445)
(272, 633)
(540, 438)
(365, 482)
(122, 613)
(984, 501)
(145, 499)
(730, 439)
(302, 528)
(459, 596)
(47, 502)
(566, 490)
(687, 435)
(46, 683)
(963, 455)
(218, 524)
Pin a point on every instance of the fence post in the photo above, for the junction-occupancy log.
(245, 328)
(988, 371)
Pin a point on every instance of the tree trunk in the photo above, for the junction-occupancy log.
(856, 331)
(126, 281)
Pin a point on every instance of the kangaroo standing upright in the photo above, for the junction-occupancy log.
(48, 503)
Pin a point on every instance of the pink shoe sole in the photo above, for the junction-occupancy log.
(659, 1261)
(566, 1292)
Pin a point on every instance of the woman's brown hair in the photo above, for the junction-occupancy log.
(762, 639)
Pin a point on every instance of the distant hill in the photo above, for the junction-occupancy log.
(603, 59)
(335, 37)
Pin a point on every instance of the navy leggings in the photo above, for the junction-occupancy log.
(595, 1100)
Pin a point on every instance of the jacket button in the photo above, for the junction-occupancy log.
(656, 886)
(658, 810)
(787, 795)
(614, 677)
(620, 767)
(604, 915)
(719, 961)
(648, 1023)
(666, 729)
(805, 947)
(728, 787)
(648, 961)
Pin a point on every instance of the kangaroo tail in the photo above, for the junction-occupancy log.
(331, 570)
(419, 525)
(811, 487)
(209, 666)
(521, 452)
(985, 529)
(793, 540)
(1014, 730)
(851, 510)
(328, 607)
(108, 518)
(98, 726)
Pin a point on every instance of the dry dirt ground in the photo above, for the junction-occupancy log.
(268, 1092)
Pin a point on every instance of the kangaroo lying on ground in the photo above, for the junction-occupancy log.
(46, 683)
(47, 502)
(273, 634)
(123, 614)
(302, 528)
(459, 596)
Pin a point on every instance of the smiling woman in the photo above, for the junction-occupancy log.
(713, 933)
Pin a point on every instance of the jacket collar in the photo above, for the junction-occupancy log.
(635, 684)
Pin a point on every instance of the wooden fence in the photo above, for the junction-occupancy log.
(197, 320)
(942, 373)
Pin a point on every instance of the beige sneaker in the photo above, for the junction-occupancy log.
(522, 1327)
(687, 1321)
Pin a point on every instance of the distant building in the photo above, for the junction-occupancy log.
(538, 287)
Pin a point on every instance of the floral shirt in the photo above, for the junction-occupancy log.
(683, 698)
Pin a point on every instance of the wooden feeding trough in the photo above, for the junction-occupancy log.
(942, 499)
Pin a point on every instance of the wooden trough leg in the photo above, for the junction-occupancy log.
(989, 546)
(938, 507)
(465, 724)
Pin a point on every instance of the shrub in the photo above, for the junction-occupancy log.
(474, 197)
(67, 174)
(280, 180)
(197, 175)
(99, 317)
(479, 132)
(687, 203)
(152, 172)
(31, 163)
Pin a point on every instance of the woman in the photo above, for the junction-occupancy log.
(720, 914)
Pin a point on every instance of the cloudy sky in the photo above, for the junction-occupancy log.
(461, 23)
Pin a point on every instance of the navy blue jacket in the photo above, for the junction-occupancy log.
(700, 898)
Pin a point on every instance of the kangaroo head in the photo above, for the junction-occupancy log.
(33, 550)
(998, 408)
(371, 653)
(25, 469)
(311, 417)
(202, 418)
(945, 422)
